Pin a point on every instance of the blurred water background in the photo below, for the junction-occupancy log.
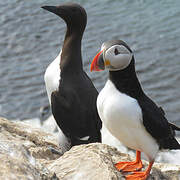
(30, 38)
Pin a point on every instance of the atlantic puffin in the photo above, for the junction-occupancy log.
(127, 112)
(71, 93)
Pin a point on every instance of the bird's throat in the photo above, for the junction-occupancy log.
(71, 53)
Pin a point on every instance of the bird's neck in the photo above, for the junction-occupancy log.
(71, 59)
(126, 81)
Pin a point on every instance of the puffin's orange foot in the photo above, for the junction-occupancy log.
(138, 176)
(129, 166)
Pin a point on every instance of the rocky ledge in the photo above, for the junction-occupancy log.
(25, 153)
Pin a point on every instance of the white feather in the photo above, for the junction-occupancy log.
(85, 138)
(118, 61)
(122, 116)
(63, 141)
(52, 76)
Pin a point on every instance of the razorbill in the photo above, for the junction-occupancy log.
(127, 112)
(71, 93)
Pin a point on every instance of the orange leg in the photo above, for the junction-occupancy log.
(140, 175)
(130, 166)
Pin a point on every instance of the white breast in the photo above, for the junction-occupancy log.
(52, 76)
(122, 116)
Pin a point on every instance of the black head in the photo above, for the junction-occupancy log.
(73, 14)
(106, 45)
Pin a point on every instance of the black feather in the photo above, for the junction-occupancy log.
(74, 109)
(154, 120)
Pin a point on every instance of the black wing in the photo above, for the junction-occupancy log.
(76, 114)
(157, 125)
(173, 126)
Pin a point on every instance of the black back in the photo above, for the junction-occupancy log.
(74, 104)
(74, 108)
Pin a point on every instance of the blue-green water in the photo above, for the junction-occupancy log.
(30, 38)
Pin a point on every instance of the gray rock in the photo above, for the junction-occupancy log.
(20, 147)
(96, 161)
(25, 154)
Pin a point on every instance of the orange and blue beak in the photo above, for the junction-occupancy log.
(98, 62)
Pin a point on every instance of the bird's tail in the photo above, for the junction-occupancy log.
(174, 144)
(174, 127)
(169, 143)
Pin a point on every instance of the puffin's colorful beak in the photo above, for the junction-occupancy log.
(98, 62)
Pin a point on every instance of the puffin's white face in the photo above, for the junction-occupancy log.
(117, 57)
(114, 55)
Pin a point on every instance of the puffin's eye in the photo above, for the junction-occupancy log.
(116, 52)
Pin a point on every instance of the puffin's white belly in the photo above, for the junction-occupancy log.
(122, 116)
